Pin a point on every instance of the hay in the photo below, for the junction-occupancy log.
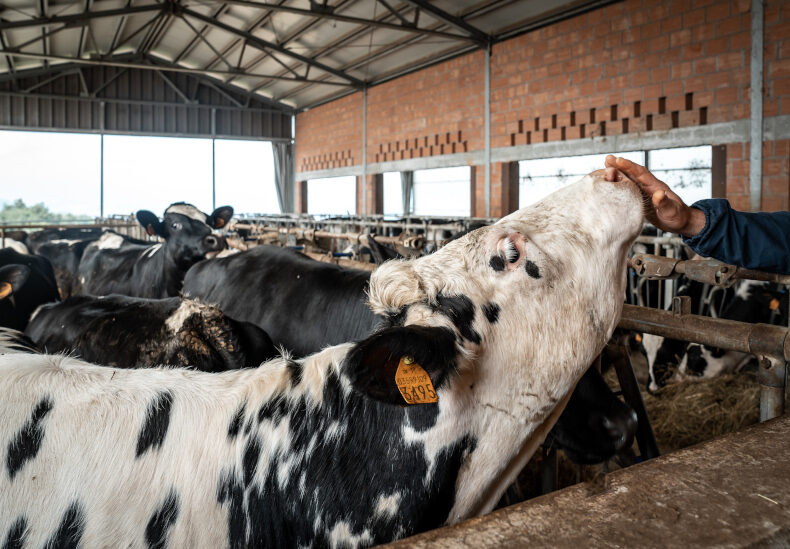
(688, 413)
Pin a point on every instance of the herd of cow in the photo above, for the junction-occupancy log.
(289, 427)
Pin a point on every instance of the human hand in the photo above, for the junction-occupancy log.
(664, 208)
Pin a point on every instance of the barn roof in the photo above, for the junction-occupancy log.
(286, 54)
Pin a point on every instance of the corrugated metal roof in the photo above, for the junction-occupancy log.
(294, 54)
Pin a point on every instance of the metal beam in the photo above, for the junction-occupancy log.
(407, 26)
(756, 101)
(260, 43)
(76, 18)
(199, 34)
(167, 68)
(456, 22)
(43, 36)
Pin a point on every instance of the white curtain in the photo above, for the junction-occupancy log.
(284, 174)
(407, 192)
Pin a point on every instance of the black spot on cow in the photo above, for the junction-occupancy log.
(157, 420)
(16, 534)
(497, 263)
(273, 410)
(251, 454)
(231, 491)
(423, 417)
(696, 363)
(159, 523)
(295, 371)
(27, 442)
(491, 310)
(236, 421)
(461, 311)
(532, 269)
(396, 319)
(70, 530)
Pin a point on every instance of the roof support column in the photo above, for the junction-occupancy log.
(364, 151)
(102, 109)
(487, 125)
(756, 99)
(213, 159)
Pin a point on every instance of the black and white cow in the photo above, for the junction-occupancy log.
(307, 305)
(672, 361)
(113, 265)
(328, 450)
(26, 281)
(133, 332)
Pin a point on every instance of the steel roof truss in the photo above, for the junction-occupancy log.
(79, 18)
(207, 43)
(479, 36)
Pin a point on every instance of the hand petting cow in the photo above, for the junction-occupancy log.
(333, 449)
(132, 332)
(114, 265)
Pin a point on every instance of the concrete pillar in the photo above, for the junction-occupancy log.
(300, 197)
(375, 193)
(507, 188)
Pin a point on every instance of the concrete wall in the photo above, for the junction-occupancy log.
(633, 74)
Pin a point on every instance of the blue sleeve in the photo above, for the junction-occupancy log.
(759, 240)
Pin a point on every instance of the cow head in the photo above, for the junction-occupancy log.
(187, 231)
(506, 319)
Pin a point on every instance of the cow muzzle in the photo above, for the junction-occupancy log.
(213, 244)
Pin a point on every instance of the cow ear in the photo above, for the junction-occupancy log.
(420, 357)
(220, 217)
(150, 223)
(12, 277)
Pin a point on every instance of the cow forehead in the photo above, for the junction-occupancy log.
(187, 210)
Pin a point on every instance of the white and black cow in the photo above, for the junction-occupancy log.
(672, 361)
(113, 265)
(134, 332)
(327, 450)
(307, 305)
(26, 281)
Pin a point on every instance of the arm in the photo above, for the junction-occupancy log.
(758, 240)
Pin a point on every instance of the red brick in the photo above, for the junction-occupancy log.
(717, 11)
(662, 122)
(688, 118)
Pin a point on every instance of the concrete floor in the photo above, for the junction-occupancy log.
(729, 492)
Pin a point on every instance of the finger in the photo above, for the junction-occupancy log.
(646, 180)
(659, 199)
(612, 175)
(610, 161)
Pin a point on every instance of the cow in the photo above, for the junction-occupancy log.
(26, 281)
(305, 305)
(423, 423)
(130, 332)
(112, 264)
(16, 245)
(672, 361)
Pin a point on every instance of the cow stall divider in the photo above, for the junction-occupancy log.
(120, 225)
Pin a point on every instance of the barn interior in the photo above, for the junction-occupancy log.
(359, 131)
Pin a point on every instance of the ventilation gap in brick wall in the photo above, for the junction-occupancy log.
(637, 109)
(625, 125)
(512, 139)
(553, 121)
(602, 125)
(520, 126)
(689, 101)
(649, 123)
(537, 123)
(529, 138)
(703, 115)
(581, 131)
(675, 119)
(592, 115)
(562, 133)
(613, 113)
(545, 135)
(573, 118)
(662, 105)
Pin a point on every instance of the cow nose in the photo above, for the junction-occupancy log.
(212, 242)
(621, 430)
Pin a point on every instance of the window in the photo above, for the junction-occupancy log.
(332, 196)
(393, 194)
(150, 173)
(60, 170)
(442, 192)
(686, 170)
(244, 176)
(539, 178)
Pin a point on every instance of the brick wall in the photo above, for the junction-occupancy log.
(330, 136)
(633, 66)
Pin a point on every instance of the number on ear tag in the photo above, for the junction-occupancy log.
(414, 383)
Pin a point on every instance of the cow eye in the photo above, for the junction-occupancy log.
(176, 226)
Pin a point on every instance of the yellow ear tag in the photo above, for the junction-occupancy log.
(638, 338)
(5, 290)
(414, 383)
(774, 305)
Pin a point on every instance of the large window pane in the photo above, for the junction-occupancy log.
(539, 178)
(393, 197)
(686, 170)
(245, 176)
(332, 196)
(60, 170)
(442, 192)
(150, 173)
